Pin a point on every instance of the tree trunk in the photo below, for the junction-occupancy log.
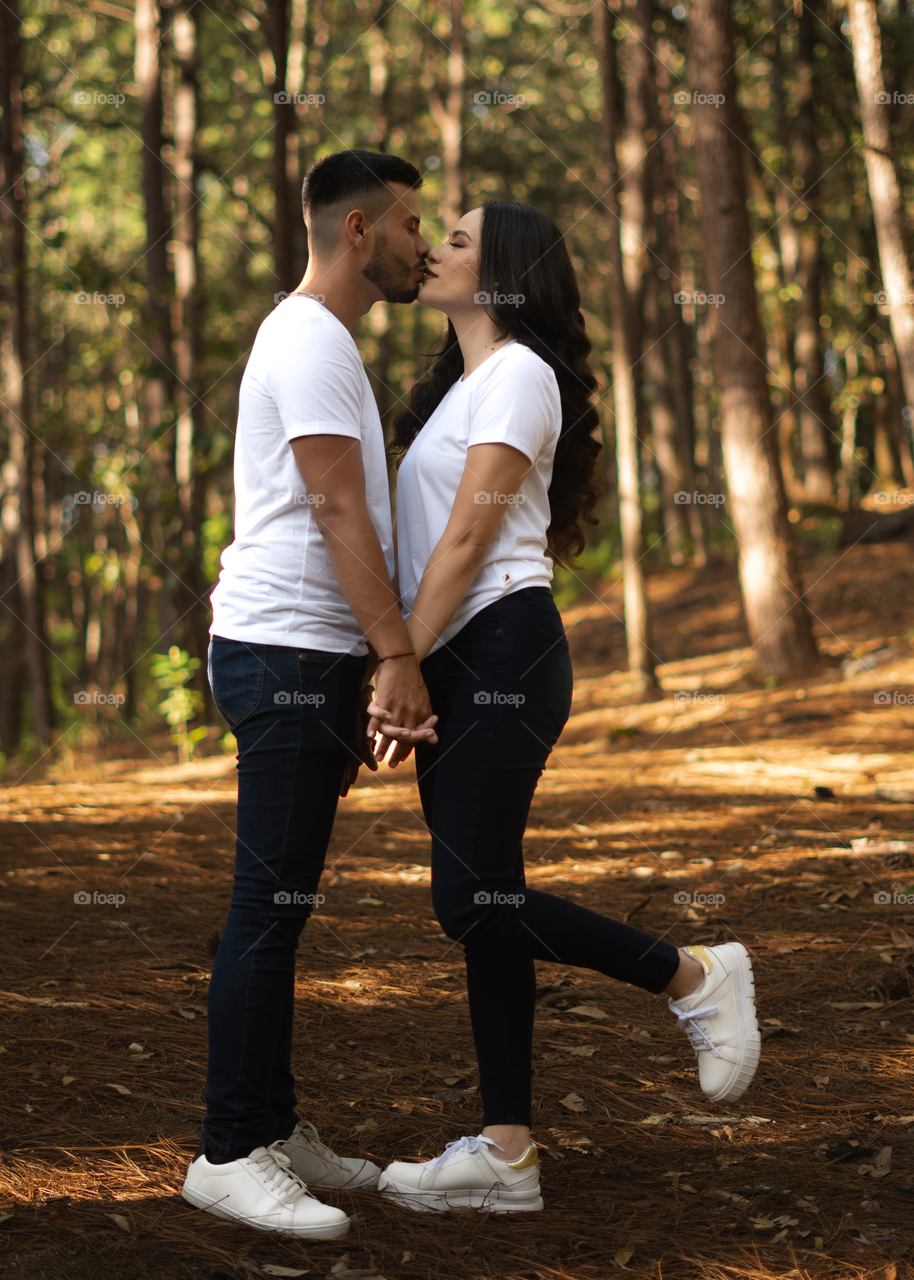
(884, 186)
(158, 230)
(449, 119)
(634, 586)
(286, 213)
(664, 430)
(187, 321)
(679, 337)
(809, 372)
(13, 369)
(777, 617)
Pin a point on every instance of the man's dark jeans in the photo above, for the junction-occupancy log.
(293, 712)
(502, 689)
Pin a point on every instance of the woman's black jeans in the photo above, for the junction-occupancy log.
(293, 712)
(502, 689)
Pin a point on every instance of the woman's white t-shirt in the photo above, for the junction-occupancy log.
(278, 586)
(512, 398)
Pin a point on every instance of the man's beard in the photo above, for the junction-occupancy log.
(389, 273)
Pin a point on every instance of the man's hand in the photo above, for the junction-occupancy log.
(401, 709)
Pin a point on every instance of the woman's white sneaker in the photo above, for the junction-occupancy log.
(318, 1166)
(466, 1175)
(261, 1191)
(719, 1019)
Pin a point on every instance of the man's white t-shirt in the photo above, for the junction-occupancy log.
(512, 398)
(278, 586)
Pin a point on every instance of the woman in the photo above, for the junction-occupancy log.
(497, 474)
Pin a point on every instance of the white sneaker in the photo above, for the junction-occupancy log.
(262, 1192)
(466, 1175)
(318, 1166)
(719, 1019)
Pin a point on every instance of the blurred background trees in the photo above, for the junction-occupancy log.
(744, 263)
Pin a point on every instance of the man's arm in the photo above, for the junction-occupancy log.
(331, 467)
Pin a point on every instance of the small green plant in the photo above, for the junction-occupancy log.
(171, 672)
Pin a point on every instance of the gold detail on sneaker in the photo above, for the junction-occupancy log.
(700, 954)
(530, 1157)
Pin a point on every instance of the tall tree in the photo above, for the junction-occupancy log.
(159, 285)
(634, 585)
(448, 116)
(288, 233)
(809, 371)
(778, 620)
(884, 185)
(187, 323)
(678, 336)
(24, 582)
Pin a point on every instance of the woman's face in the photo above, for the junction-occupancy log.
(452, 278)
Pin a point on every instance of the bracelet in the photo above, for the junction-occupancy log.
(411, 653)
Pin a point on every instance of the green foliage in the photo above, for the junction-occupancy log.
(171, 672)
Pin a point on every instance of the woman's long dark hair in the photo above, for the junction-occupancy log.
(523, 253)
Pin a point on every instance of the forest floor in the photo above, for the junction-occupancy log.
(811, 1174)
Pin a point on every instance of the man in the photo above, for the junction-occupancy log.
(305, 583)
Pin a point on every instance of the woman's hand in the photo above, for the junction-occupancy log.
(403, 740)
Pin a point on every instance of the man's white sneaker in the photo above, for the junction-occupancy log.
(261, 1191)
(318, 1166)
(466, 1175)
(719, 1019)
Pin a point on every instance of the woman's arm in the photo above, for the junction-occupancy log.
(492, 475)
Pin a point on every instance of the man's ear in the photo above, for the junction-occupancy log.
(356, 226)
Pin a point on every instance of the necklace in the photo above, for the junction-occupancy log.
(301, 293)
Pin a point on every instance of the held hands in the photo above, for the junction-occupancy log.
(400, 709)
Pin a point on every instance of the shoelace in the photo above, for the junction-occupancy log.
(278, 1176)
(688, 1021)
(468, 1146)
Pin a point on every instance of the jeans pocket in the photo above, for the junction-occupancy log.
(236, 677)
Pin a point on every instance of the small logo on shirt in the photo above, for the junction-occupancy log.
(487, 498)
(506, 578)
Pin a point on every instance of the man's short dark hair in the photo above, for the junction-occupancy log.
(353, 178)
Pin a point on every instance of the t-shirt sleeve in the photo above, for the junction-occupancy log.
(317, 384)
(519, 405)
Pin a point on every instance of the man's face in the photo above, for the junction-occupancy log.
(397, 265)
